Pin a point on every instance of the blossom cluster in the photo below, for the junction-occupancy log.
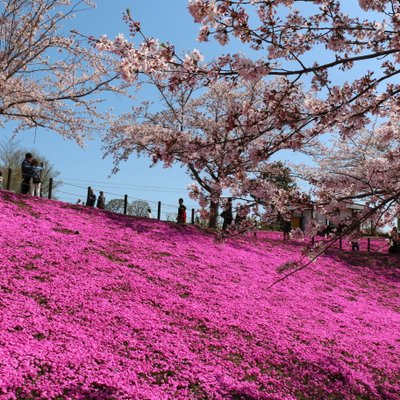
(50, 78)
(104, 306)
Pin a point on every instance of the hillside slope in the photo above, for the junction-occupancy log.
(95, 305)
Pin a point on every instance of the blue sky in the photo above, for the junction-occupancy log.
(168, 21)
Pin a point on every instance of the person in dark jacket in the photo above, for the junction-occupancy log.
(286, 225)
(35, 179)
(26, 173)
(287, 228)
(91, 199)
(227, 214)
(181, 218)
(394, 241)
(241, 215)
(101, 201)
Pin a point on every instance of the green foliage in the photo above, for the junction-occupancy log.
(136, 207)
(280, 175)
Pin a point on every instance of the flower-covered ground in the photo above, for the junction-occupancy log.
(95, 305)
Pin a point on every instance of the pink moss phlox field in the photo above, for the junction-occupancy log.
(96, 305)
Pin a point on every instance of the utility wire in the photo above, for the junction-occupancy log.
(125, 185)
(70, 184)
(70, 194)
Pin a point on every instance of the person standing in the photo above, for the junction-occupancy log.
(227, 214)
(287, 228)
(286, 224)
(35, 180)
(101, 201)
(26, 172)
(355, 245)
(181, 218)
(354, 240)
(91, 199)
(394, 241)
(241, 215)
(149, 213)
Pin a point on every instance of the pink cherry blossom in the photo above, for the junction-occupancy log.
(48, 78)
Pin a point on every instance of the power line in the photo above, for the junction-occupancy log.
(70, 184)
(70, 194)
(126, 185)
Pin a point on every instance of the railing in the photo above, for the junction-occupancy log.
(159, 204)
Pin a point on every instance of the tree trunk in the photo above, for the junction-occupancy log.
(212, 222)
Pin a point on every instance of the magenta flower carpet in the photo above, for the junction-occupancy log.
(95, 305)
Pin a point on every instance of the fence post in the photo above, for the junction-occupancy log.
(87, 197)
(50, 187)
(9, 179)
(159, 211)
(192, 216)
(312, 217)
(369, 244)
(125, 204)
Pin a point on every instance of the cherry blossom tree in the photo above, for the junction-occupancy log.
(200, 134)
(49, 78)
(343, 66)
(364, 169)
